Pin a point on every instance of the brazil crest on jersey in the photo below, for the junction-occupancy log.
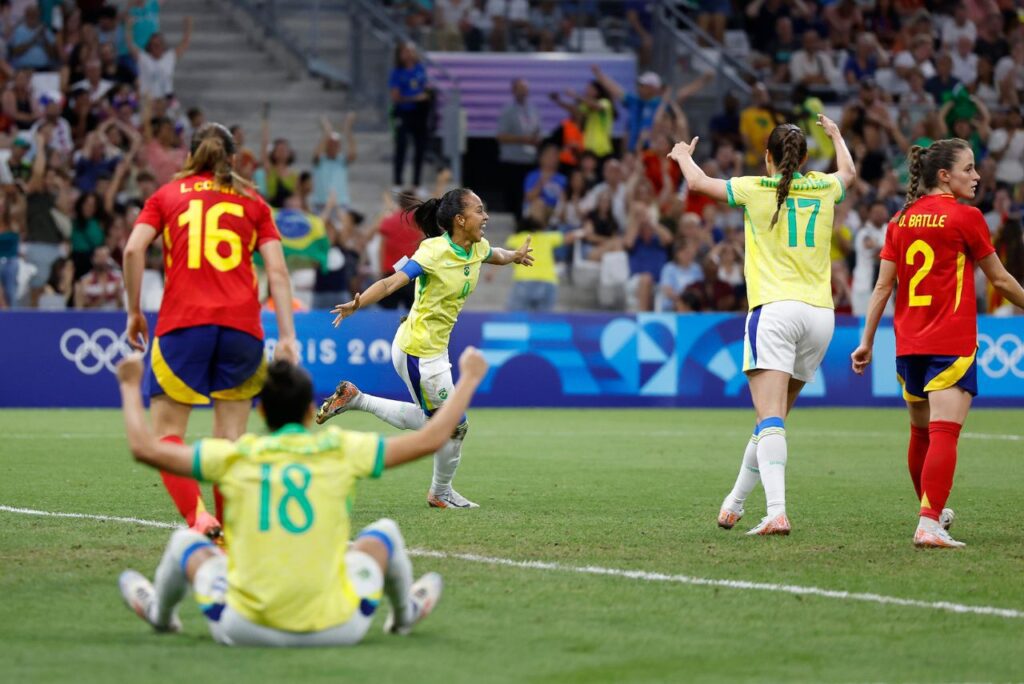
(450, 274)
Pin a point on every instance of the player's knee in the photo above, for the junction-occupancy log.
(386, 532)
(461, 430)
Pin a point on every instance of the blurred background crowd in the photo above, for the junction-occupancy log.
(91, 126)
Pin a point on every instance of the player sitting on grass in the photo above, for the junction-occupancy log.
(290, 578)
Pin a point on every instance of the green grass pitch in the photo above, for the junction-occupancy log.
(621, 489)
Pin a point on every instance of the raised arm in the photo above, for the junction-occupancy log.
(351, 150)
(439, 429)
(696, 179)
(847, 171)
(144, 445)
(186, 38)
(37, 180)
(608, 83)
(861, 356)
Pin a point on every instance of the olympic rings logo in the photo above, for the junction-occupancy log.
(1000, 356)
(92, 353)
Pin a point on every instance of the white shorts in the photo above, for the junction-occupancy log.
(787, 336)
(429, 381)
(231, 629)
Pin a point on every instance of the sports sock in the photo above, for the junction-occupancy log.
(398, 575)
(916, 452)
(446, 461)
(403, 415)
(772, 455)
(170, 581)
(939, 467)
(184, 491)
(748, 477)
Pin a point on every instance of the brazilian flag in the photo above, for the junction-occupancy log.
(304, 238)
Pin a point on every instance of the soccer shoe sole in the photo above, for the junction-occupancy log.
(138, 592)
(727, 519)
(426, 592)
(337, 403)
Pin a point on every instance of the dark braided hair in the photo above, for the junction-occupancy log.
(924, 164)
(788, 147)
(436, 216)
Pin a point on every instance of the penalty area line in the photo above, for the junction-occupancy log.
(639, 575)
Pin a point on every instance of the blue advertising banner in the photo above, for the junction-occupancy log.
(66, 359)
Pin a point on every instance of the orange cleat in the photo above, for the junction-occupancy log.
(337, 403)
(932, 539)
(727, 518)
(777, 525)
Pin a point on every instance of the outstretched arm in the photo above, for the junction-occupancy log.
(371, 295)
(847, 171)
(608, 83)
(144, 445)
(696, 179)
(861, 356)
(503, 257)
(1001, 279)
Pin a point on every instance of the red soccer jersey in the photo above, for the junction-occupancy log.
(935, 245)
(210, 233)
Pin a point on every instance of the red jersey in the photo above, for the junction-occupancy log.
(935, 245)
(210, 233)
(401, 239)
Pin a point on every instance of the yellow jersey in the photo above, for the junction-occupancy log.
(544, 245)
(286, 524)
(450, 274)
(791, 261)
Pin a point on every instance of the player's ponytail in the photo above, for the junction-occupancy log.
(788, 148)
(924, 164)
(436, 216)
(212, 150)
(915, 160)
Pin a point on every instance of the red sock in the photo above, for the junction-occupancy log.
(916, 452)
(939, 466)
(218, 502)
(184, 491)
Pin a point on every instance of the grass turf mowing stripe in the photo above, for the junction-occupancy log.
(641, 575)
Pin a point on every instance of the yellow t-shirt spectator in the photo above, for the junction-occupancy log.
(544, 245)
(597, 128)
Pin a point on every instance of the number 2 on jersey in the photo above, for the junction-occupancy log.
(802, 203)
(922, 247)
(204, 243)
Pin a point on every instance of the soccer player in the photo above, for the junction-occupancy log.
(931, 248)
(788, 223)
(208, 343)
(290, 577)
(446, 267)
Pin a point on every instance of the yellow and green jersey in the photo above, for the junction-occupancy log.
(286, 521)
(791, 261)
(449, 275)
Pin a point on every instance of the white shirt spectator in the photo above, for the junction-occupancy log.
(60, 139)
(451, 12)
(156, 76)
(905, 60)
(1010, 168)
(513, 10)
(951, 31)
(1006, 66)
(965, 67)
(95, 93)
(589, 202)
(804, 64)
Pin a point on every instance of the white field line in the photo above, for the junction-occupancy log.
(639, 575)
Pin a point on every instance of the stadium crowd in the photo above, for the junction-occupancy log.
(91, 87)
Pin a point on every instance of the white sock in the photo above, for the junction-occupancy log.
(400, 414)
(170, 581)
(747, 479)
(772, 454)
(398, 576)
(446, 461)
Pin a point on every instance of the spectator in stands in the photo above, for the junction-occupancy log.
(94, 84)
(102, 287)
(1007, 147)
(865, 60)
(729, 258)
(640, 19)
(958, 26)
(59, 136)
(943, 84)
(111, 68)
(780, 50)
(18, 163)
(19, 106)
(867, 245)
(658, 168)
(12, 216)
(451, 19)
(58, 287)
(157, 63)
(598, 117)
(965, 61)
(518, 136)
(536, 288)
(843, 19)
(545, 183)
(87, 232)
(991, 41)
(1010, 74)
(601, 231)
(640, 106)
(44, 240)
(549, 30)
(145, 20)
(330, 166)
(756, 122)
(812, 64)
(677, 275)
(411, 107)
(109, 29)
(32, 45)
(647, 243)
(161, 151)
(712, 17)
(709, 293)
(1009, 244)
(400, 237)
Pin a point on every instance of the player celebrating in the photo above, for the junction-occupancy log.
(291, 578)
(930, 251)
(788, 223)
(447, 265)
(208, 342)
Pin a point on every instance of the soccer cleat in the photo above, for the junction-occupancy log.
(946, 518)
(423, 597)
(208, 525)
(450, 499)
(777, 525)
(936, 539)
(139, 595)
(727, 517)
(337, 403)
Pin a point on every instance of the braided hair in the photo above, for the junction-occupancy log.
(788, 148)
(436, 216)
(924, 164)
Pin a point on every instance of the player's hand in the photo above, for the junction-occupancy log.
(138, 331)
(860, 359)
(343, 311)
(287, 349)
(129, 370)
(523, 255)
(682, 150)
(829, 125)
(472, 364)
